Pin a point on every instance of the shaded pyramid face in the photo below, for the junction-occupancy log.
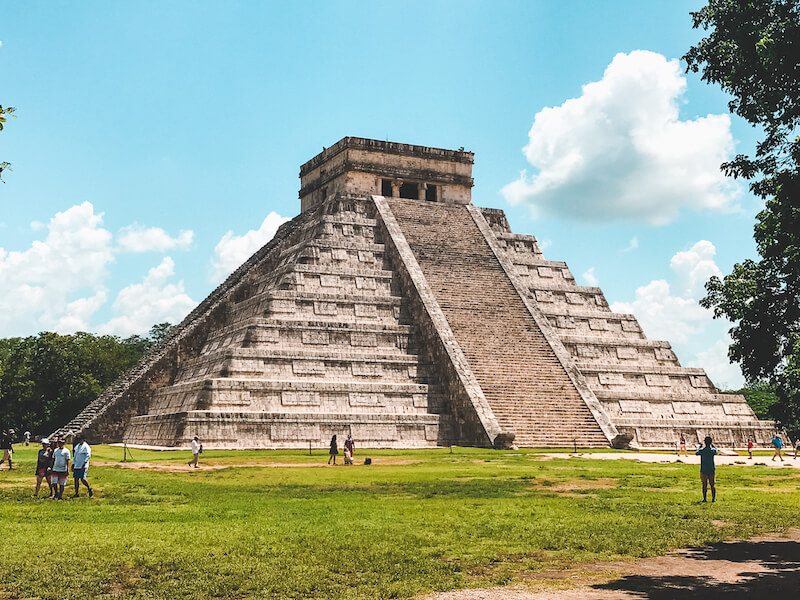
(394, 310)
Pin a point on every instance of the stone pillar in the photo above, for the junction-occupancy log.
(422, 190)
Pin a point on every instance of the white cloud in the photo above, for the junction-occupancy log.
(78, 312)
(620, 152)
(154, 300)
(590, 278)
(136, 238)
(675, 314)
(632, 245)
(694, 267)
(233, 250)
(544, 244)
(37, 283)
(718, 367)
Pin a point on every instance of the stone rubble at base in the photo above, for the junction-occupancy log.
(393, 309)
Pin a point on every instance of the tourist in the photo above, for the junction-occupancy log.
(197, 448)
(777, 443)
(349, 448)
(682, 445)
(49, 472)
(333, 451)
(7, 447)
(43, 465)
(797, 447)
(80, 465)
(750, 447)
(27, 436)
(61, 458)
(708, 472)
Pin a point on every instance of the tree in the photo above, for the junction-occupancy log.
(3, 112)
(47, 379)
(752, 51)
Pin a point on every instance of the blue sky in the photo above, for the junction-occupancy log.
(153, 140)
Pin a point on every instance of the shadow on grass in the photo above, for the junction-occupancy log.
(758, 569)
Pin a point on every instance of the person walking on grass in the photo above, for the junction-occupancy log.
(333, 451)
(61, 458)
(750, 447)
(27, 437)
(7, 447)
(197, 448)
(80, 465)
(708, 472)
(49, 472)
(43, 459)
(682, 445)
(777, 443)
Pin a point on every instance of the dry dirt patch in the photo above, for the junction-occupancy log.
(576, 485)
(173, 467)
(762, 567)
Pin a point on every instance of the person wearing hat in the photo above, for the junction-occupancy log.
(61, 458)
(7, 447)
(43, 461)
(80, 464)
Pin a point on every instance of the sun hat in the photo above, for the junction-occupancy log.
(45, 441)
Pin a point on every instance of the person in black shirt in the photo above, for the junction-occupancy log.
(44, 462)
(7, 448)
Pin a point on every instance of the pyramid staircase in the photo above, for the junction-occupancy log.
(528, 389)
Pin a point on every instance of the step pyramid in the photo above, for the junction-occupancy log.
(395, 310)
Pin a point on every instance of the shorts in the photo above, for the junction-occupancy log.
(41, 472)
(709, 477)
(7, 453)
(58, 478)
(79, 473)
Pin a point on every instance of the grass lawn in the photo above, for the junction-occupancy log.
(413, 522)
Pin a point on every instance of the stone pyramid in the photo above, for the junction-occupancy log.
(394, 309)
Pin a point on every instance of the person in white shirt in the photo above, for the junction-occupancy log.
(197, 448)
(27, 437)
(80, 465)
(58, 479)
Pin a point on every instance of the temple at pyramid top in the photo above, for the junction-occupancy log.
(356, 165)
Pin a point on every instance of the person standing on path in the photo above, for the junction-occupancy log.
(334, 450)
(682, 445)
(750, 447)
(61, 458)
(43, 459)
(27, 437)
(797, 447)
(197, 448)
(349, 449)
(777, 443)
(80, 465)
(7, 447)
(708, 472)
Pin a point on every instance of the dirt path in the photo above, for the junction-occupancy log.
(664, 458)
(762, 567)
(183, 467)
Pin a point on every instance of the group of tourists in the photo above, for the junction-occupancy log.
(776, 443)
(54, 463)
(349, 450)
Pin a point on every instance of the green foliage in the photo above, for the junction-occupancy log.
(3, 112)
(761, 397)
(440, 521)
(752, 52)
(45, 380)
